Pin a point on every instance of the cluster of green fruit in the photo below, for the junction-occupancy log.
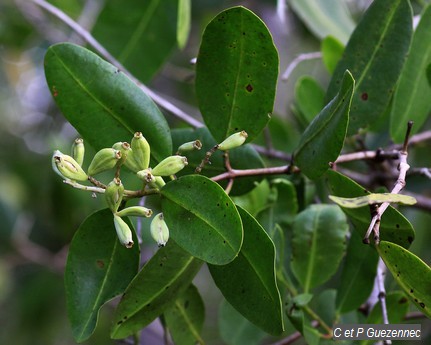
(136, 157)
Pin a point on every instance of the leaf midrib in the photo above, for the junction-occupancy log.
(87, 91)
(311, 265)
(188, 322)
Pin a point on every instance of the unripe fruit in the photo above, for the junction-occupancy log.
(123, 232)
(138, 211)
(190, 146)
(104, 159)
(159, 230)
(141, 151)
(235, 140)
(114, 194)
(170, 166)
(67, 167)
(78, 150)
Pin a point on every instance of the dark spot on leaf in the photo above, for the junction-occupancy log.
(411, 290)
(249, 88)
(125, 318)
(100, 263)
(364, 96)
(119, 322)
(167, 287)
(389, 247)
(422, 304)
(416, 300)
(227, 204)
(243, 33)
(236, 128)
(264, 64)
(397, 226)
(224, 242)
(161, 265)
(410, 239)
(227, 94)
(54, 91)
(243, 291)
(218, 204)
(402, 300)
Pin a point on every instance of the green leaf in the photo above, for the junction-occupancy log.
(332, 51)
(185, 317)
(411, 99)
(156, 287)
(428, 74)
(410, 272)
(183, 22)
(98, 269)
(318, 244)
(322, 141)
(323, 18)
(196, 211)
(375, 56)
(357, 275)
(236, 74)
(248, 283)
(282, 205)
(309, 97)
(243, 157)
(237, 330)
(372, 199)
(256, 200)
(140, 34)
(101, 102)
(394, 227)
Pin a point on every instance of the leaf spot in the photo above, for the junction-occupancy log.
(364, 96)
(100, 263)
(422, 304)
(54, 91)
(249, 88)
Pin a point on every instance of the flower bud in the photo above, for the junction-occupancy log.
(103, 160)
(159, 230)
(138, 211)
(78, 150)
(190, 146)
(170, 166)
(235, 140)
(123, 232)
(67, 167)
(141, 151)
(114, 194)
(146, 175)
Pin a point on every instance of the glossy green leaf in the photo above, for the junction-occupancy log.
(373, 198)
(197, 210)
(156, 287)
(140, 34)
(323, 18)
(256, 200)
(322, 141)
(236, 74)
(237, 330)
(357, 275)
(375, 56)
(185, 318)
(248, 283)
(282, 205)
(183, 22)
(309, 97)
(318, 244)
(101, 102)
(332, 51)
(98, 269)
(411, 99)
(243, 157)
(394, 227)
(397, 306)
(410, 272)
(428, 74)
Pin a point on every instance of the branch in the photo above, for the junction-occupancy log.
(158, 99)
(286, 169)
(399, 185)
(297, 61)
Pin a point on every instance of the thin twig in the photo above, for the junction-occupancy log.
(296, 61)
(380, 280)
(158, 99)
(294, 336)
(286, 169)
(399, 185)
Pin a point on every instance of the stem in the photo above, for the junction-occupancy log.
(297, 61)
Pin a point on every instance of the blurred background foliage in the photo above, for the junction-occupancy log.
(39, 215)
